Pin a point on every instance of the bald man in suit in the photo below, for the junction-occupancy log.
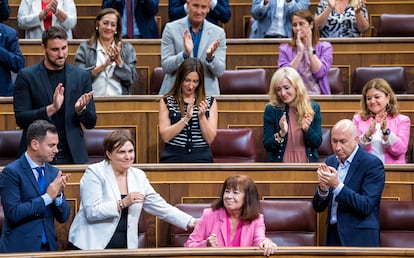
(350, 186)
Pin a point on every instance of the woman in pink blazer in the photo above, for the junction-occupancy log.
(383, 131)
(234, 219)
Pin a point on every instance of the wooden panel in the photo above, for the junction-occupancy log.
(141, 112)
(253, 252)
(200, 183)
(235, 28)
(245, 53)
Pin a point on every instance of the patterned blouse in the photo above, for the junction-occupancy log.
(340, 25)
(191, 136)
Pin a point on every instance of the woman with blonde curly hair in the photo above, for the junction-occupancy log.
(383, 131)
(292, 121)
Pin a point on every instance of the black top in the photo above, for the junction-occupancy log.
(119, 239)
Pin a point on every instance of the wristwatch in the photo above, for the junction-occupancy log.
(369, 138)
(386, 132)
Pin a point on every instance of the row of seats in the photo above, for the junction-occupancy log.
(10, 141)
(395, 25)
(233, 145)
(254, 81)
(230, 145)
(294, 223)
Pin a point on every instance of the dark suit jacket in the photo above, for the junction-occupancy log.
(4, 10)
(33, 92)
(144, 12)
(25, 211)
(359, 200)
(312, 138)
(11, 58)
(221, 11)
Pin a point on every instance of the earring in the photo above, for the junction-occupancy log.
(96, 28)
(116, 32)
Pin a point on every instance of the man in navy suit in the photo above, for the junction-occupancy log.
(56, 91)
(350, 186)
(144, 16)
(29, 211)
(11, 58)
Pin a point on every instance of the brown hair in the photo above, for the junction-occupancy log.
(38, 130)
(53, 32)
(302, 101)
(115, 140)
(118, 34)
(308, 16)
(251, 206)
(189, 65)
(383, 86)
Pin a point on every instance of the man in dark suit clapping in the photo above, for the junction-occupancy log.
(56, 91)
(350, 186)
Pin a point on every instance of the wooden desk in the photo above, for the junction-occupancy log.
(201, 183)
(348, 54)
(140, 114)
(282, 252)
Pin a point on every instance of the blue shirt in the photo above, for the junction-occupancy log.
(124, 21)
(46, 198)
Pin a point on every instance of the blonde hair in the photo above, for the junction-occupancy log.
(302, 101)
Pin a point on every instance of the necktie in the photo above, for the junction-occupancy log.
(129, 19)
(42, 188)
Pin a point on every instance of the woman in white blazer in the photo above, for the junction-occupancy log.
(34, 14)
(113, 194)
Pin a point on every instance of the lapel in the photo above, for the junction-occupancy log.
(28, 172)
(205, 40)
(135, 2)
(49, 175)
(110, 177)
(354, 166)
(223, 226)
(44, 80)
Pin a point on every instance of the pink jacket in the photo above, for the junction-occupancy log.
(215, 222)
(397, 147)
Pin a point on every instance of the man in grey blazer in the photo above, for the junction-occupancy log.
(194, 36)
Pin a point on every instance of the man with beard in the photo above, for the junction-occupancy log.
(56, 91)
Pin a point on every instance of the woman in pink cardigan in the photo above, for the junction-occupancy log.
(383, 131)
(234, 219)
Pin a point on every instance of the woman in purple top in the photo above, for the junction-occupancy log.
(309, 56)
